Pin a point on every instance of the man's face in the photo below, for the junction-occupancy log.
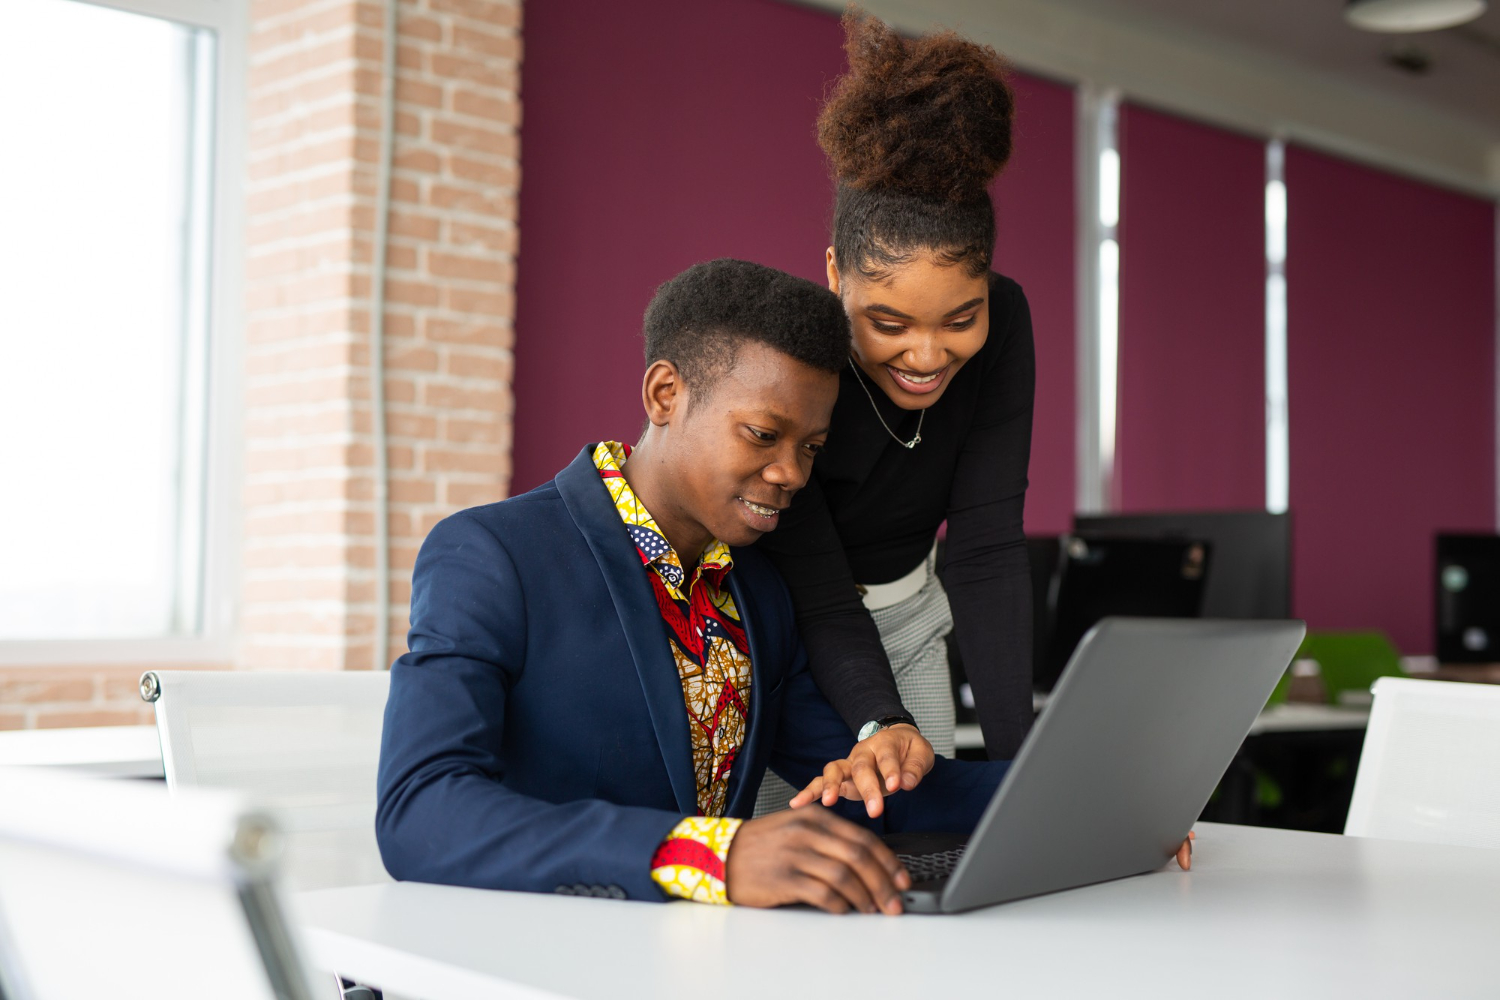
(744, 447)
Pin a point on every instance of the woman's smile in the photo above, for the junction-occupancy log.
(917, 382)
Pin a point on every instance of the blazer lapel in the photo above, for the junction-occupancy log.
(588, 501)
(762, 728)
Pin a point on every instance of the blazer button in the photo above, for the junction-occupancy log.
(579, 889)
(599, 891)
(563, 890)
(615, 892)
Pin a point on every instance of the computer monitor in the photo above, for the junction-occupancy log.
(1252, 552)
(1467, 585)
(1099, 576)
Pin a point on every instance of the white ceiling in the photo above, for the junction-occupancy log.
(1292, 69)
(1464, 79)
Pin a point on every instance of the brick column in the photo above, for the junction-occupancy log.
(314, 115)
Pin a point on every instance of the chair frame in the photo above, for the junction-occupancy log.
(1388, 691)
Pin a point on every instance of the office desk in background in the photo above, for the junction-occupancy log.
(1286, 718)
(1263, 913)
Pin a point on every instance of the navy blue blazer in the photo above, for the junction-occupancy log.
(536, 737)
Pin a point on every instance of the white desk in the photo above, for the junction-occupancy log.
(1263, 913)
(117, 751)
(1284, 718)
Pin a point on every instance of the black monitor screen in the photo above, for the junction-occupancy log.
(1468, 598)
(1252, 553)
(1099, 576)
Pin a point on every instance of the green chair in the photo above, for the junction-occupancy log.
(1347, 661)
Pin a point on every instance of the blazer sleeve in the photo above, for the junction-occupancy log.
(444, 813)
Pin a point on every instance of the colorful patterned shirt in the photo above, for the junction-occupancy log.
(712, 655)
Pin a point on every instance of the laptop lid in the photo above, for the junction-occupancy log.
(1141, 726)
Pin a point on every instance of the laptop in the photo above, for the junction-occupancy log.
(1142, 724)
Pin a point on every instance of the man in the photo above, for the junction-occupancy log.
(602, 669)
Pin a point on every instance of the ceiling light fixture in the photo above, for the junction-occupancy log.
(1410, 15)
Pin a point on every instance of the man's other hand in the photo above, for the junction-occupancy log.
(813, 856)
(892, 760)
(1185, 852)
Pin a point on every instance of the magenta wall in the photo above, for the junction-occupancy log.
(1034, 214)
(656, 135)
(1391, 329)
(1190, 431)
(659, 134)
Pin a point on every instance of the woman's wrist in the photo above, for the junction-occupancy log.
(874, 726)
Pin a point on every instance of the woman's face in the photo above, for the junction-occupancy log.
(916, 328)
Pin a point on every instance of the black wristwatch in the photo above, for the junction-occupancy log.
(876, 725)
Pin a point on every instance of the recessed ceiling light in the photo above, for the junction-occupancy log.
(1410, 15)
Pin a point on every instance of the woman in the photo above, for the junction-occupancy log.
(933, 420)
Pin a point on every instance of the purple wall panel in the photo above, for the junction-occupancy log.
(656, 135)
(1190, 431)
(1391, 331)
(1034, 212)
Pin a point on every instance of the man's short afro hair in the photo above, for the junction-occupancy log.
(699, 319)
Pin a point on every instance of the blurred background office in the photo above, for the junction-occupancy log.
(1258, 240)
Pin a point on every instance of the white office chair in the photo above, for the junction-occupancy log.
(1430, 769)
(113, 888)
(304, 744)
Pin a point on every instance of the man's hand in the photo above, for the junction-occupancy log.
(813, 856)
(893, 759)
(1185, 852)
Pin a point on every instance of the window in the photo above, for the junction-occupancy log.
(106, 287)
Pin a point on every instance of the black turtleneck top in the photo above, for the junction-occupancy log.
(872, 510)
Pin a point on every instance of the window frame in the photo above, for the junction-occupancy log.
(214, 642)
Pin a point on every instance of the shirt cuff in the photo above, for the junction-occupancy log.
(690, 862)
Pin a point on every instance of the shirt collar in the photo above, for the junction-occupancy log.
(652, 542)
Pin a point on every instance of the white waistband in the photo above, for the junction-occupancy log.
(884, 595)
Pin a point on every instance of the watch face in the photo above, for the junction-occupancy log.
(868, 729)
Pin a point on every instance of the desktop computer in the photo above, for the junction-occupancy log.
(1101, 576)
(1252, 553)
(1076, 581)
(1467, 587)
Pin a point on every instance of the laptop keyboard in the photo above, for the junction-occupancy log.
(931, 867)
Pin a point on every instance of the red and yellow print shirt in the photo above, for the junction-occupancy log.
(712, 656)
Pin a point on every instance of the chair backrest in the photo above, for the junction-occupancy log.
(1430, 769)
(306, 745)
(113, 888)
(1351, 661)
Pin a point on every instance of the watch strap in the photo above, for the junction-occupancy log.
(876, 725)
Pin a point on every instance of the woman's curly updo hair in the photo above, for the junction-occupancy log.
(915, 132)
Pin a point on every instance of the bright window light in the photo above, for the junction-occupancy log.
(104, 252)
(1109, 348)
(1278, 427)
(1109, 188)
(1107, 325)
(1276, 222)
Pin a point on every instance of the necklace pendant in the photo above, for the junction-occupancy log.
(908, 445)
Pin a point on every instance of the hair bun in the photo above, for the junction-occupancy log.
(928, 117)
